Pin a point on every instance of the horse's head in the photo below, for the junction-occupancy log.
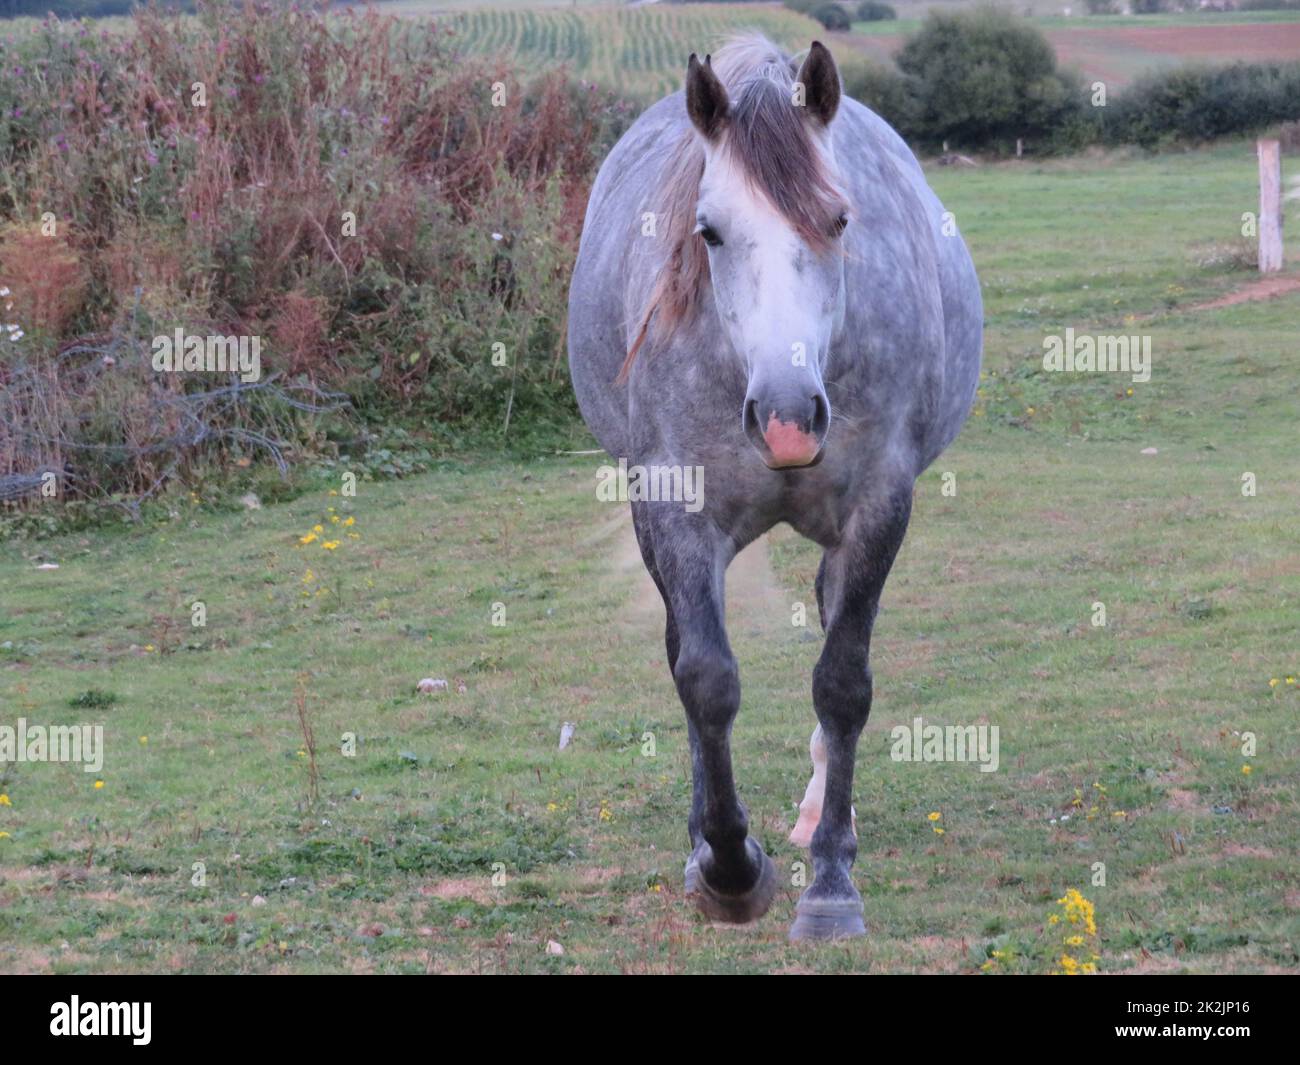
(771, 212)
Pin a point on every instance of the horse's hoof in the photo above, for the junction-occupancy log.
(821, 919)
(733, 909)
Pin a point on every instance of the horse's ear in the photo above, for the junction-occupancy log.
(706, 99)
(821, 84)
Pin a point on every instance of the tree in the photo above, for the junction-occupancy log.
(983, 79)
(875, 11)
(832, 16)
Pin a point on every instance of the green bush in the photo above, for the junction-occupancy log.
(875, 11)
(832, 16)
(882, 89)
(983, 79)
(1196, 103)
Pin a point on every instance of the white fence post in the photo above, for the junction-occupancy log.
(1270, 206)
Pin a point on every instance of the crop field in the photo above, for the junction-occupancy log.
(640, 51)
(276, 795)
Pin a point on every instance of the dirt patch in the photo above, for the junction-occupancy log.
(1266, 288)
(476, 888)
(1241, 850)
(940, 955)
(24, 874)
(26, 962)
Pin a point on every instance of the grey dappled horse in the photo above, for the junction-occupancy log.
(767, 289)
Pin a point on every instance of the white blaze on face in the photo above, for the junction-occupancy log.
(778, 300)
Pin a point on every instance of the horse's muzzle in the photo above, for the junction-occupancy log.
(787, 431)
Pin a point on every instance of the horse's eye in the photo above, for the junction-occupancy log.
(710, 236)
(841, 223)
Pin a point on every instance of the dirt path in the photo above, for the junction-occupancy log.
(1263, 289)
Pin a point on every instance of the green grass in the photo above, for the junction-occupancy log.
(986, 619)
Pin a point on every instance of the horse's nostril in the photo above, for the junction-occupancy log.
(821, 414)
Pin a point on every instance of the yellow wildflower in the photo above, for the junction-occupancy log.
(1079, 910)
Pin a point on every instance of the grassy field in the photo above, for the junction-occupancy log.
(1120, 744)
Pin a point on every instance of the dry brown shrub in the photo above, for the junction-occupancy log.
(299, 332)
(45, 276)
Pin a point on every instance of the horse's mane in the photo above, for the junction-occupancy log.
(768, 137)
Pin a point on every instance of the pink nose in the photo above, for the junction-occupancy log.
(789, 445)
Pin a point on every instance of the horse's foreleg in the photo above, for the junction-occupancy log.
(729, 876)
(672, 644)
(854, 575)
